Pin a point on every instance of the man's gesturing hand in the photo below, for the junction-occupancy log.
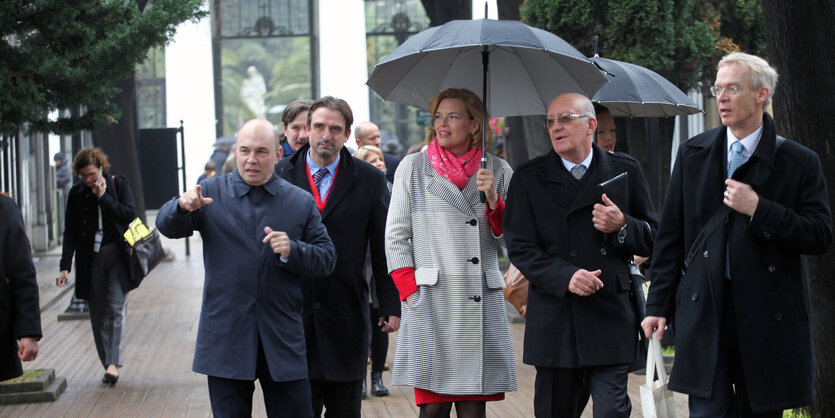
(585, 282)
(193, 199)
(279, 242)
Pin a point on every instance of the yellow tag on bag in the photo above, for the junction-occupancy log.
(136, 231)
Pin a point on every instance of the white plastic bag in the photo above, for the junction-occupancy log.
(656, 399)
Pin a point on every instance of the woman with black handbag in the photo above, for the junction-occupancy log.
(93, 213)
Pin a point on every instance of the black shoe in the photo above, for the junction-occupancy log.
(377, 388)
(110, 378)
(364, 389)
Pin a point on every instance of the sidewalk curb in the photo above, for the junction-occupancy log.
(54, 300)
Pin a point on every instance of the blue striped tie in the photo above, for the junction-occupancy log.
(318, 176)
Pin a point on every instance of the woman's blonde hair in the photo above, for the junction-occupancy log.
(364, 151)
(473, 105)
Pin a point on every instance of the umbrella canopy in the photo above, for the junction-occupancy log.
(528, 67)
(640, 92)
(225, 140)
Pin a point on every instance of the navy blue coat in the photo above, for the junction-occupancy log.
(20, 314)
(770, 286)
(336, 307)
(248, 292)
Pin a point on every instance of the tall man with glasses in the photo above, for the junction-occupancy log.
(574, 245)
(741, 312)
(352, 197)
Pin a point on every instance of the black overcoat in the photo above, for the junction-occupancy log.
(82, 222)
(336, 306)
(770, 286)
(549, 235)
(20, 313)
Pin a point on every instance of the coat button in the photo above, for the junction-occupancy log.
(602, 251)
(705, 254)
(573, 253)
(766, 234)
(771, 268)
(607, 292)
(316, 305)
(84, 221)
(694, 297)
(473, 222)
(477, 298)
(778, 317)
(474, 260)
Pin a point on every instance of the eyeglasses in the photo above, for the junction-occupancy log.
(732, 90)
(564, 119)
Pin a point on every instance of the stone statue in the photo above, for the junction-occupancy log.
(253, 90)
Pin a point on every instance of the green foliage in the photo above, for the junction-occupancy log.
(59, 54)
(662, 35)
(283, 62)
(796, 413)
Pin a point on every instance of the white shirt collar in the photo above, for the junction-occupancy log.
(587, 162)
(749, 143)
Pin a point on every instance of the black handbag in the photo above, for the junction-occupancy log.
(145, 254)
(144, 249)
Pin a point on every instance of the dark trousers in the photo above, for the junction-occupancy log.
(233, 398)
(379, 341)
(339, 399)
(730, 393)
(560, 392)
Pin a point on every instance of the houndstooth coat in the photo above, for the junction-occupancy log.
(454, 338)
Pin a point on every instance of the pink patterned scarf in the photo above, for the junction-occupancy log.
(457, 170)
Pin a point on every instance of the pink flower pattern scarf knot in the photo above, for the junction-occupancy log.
(457, 170)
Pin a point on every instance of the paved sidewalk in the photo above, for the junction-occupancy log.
(157, 380)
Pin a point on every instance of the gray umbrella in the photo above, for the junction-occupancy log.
(640, 92)
(522, 68)
(528, 67)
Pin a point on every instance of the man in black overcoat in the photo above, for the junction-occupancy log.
(741, 312)
(20, 313)
(574, 244)
(352, 197)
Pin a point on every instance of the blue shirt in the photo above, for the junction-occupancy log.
(248, 293)
(327, 180)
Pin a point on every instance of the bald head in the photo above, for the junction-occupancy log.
(571, 125)
(256, 151)
(367, 133)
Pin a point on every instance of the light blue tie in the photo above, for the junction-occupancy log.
(736, 157)
(736, 161)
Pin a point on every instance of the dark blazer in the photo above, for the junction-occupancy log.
(549, 235)
(20, 313)
(770, 286)
(336, 306)
(249, 295)
(392, 161)
(82, 222)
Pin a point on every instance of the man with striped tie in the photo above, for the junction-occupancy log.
(740, 311)
(352, 197)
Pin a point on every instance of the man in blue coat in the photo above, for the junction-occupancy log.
(262, 240)
(741, 312)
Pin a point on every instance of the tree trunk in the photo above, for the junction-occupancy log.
(803, 111)
(118, 141)
(650, 141)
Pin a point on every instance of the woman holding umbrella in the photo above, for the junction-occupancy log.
(454, 344)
